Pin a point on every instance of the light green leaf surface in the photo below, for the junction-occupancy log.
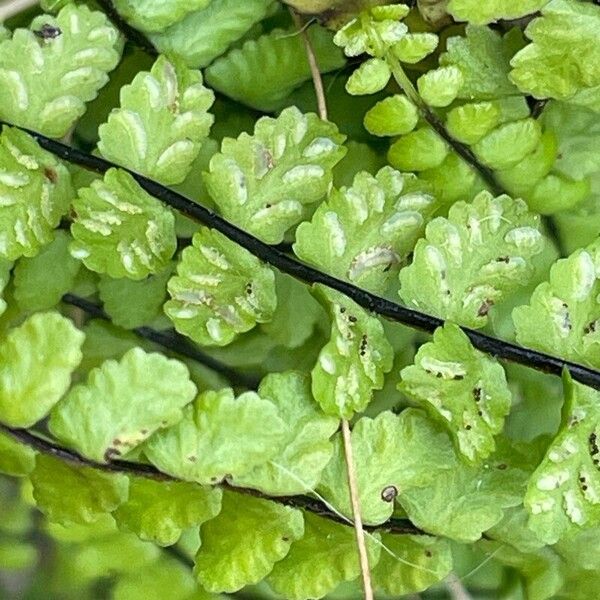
(40, 282)
(450, 498)
(487, 11)
(370, 77)
(364, 233)
(49, 71)
(203, 35)
(562, 315)
(353, 362)
(440, 87)
(473, 259)
(165, 578)
(563, 60)
(220, 290)
(122, 404)
(150, 15)
(414, 47)
(161, 123)
(264, 72)
(419, 150)
(325, 557)
(120, 230)
(461, 387)
(5, 275)
(522, 137)
(16, 459)
(219, 436)
(563, 495)
(131, 303)
(297, 313)
(35, 190)
(36, 362)
(159, 511)
(91, 493)
(417, 563)
(263, 182)
(377, 447)
(240, 546)
(394, 115)
(483, 57)
(296, 469)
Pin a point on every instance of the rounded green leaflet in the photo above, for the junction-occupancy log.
(445, 496)
(122, 404)
(563, 312)
(263, 72)
(364, 232)
(394, 115)
(219, 436)
(149, 15)
(161, 123)
(472, 259)
(164, 578)
(462, 388)
(414, 47)
(468, 123)
(120, 230)
(419, 150)
(49, 71)
(372, 76)
(297, 467)
(36, 362)
(132, 304)
(353, 363)
(562, 59)
(35, 193)
(41, 281)
(440, 87)
(69, 494)
(16, 460)
(159, 511)
(263, 182)
(522, 137)
(204, 35)
(220, 290)
(563, 494)
(475, 11)
(377, 450)
(240, 546)
(483, 56)
(413, 564)
(325, 557)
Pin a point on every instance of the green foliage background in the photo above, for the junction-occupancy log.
(170, 402)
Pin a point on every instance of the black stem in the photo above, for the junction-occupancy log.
(28, 438)
(383, 307)
(170, 340)
(130, 33)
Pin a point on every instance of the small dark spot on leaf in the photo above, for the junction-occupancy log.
(111, 453)
(285, 539)
(502, 467)
(47, 32)
(389, 493)
(50, 175)
(144, 431)
(352, 319)
(584, 487)
(192, 458)
(504, 259)
(428, 553)
(468, 427)
(484, 309)
(477, 394)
